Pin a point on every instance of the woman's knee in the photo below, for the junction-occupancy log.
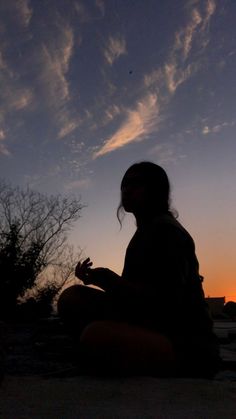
(129, 337)
(81, 303)
(97, 333)
(131, 348)
(67, 300)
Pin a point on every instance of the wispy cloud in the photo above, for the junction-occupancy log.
(184, 38)
(101, 6)
(175, 76)
(78, 184)
(116, 46)
(3, 148)
(206, 130)
(196, 29)
(138, 124)
(47, 87)
(82, 12)
(216, 128)
(3, 65)
(56, 59)
(14, 96)
(68, 128)
(170, 75)
(180, 64)
(15, 93)
(2, 134)
(210, 9)
(162, 82)
(155, 77)
(178, 67)
(111, 113)
(190, 32)
(21, 99)
(25, 12)
(165, 153)
(20, 10)
(177, 70)
(86, 14)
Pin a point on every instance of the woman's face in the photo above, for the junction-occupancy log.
(133, 192)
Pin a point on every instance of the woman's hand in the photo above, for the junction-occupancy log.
(83, 269)
(102, 277)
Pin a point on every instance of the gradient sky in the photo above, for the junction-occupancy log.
(89, 87)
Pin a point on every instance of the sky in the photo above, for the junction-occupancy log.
(89, 87)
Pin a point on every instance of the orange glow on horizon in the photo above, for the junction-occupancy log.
(220, 284)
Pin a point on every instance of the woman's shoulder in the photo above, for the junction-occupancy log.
(167, 220)
(168, 225)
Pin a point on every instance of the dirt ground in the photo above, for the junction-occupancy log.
(41, 382)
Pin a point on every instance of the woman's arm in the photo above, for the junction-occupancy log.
(106, 279)
(101, 277)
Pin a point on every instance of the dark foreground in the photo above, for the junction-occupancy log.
(44, 379)
(132, 398)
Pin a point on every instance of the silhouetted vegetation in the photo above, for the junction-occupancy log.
(40, 300)
(39, 305)
(33, 235)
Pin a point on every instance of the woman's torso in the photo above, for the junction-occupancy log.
(161, 257)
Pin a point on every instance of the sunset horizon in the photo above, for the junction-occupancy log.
(90, 87)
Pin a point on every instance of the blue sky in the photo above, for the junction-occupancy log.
(89, 87)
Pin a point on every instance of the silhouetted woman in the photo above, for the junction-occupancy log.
(154, 318)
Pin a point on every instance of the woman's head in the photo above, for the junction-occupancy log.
(145, 189)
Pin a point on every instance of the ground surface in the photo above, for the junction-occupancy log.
(42, 381)
(130, 398)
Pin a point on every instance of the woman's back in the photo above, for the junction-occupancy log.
(161, 257)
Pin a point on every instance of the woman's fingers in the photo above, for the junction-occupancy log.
(87, 263)
(82, 269)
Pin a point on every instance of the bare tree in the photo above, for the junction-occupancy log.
(52, 280)
(33, 234)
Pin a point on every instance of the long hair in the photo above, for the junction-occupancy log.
(157, 187)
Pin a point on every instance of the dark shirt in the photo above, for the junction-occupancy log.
(167, 293)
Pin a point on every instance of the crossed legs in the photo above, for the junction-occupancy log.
(110, 344)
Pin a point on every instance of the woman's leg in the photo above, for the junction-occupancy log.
(108, 344)
(118, 348)
(79, 305)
